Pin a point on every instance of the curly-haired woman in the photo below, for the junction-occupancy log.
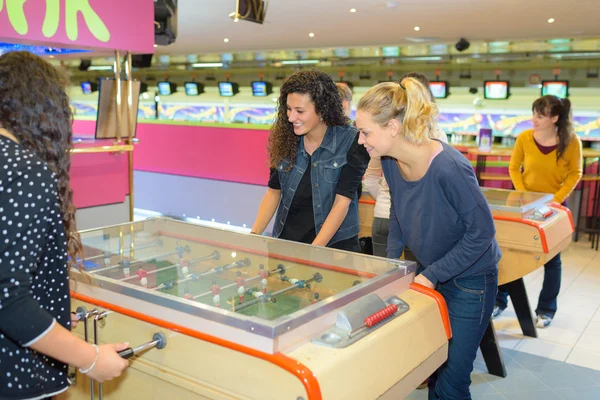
(37, 221)
(316, 166)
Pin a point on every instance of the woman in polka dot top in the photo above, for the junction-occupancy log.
(37, 234)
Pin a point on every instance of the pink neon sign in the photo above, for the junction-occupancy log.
(98, 24)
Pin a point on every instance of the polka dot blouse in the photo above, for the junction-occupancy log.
(34, 286)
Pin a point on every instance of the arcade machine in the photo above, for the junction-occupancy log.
(531, 229)
(225, 315)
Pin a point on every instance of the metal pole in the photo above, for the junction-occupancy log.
(131, 119)
(117, 70)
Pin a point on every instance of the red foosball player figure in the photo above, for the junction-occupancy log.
(216, 291)
(184, 264)
(240, 284)
(187, 295)
(143, 275)
(263, 275)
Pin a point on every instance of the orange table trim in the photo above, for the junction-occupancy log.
(565, 209)
(300, 371)
(530, 223)
(437, 296)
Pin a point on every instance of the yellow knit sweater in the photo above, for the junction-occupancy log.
(541, 172)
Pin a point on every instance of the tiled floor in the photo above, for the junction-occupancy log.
(564, 361)
(574, 335)
(531, 377)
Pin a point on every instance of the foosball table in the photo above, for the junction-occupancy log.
(222, 315)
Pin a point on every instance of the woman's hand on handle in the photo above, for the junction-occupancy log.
(109, 364)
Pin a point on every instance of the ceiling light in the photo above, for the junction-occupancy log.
(155, 46)
(311, 34)
(417, 28)
(100, 68)
(293, 62)
(353, 10)
(226, 40)
(551, 20)
(207, 65)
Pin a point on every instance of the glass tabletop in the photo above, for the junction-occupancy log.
(515, 201)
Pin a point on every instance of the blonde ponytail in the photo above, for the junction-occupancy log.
(408, 102)
(421, 114)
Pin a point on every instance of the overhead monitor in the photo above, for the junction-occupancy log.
(440, 89)
(496, 90)
(228, 89)
(193, 88)
(261, 88)
(556, 88)
(166, 88)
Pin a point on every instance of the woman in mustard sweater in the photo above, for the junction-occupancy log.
(546, 159)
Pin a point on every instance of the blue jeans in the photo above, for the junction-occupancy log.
(547, 302)
(470, 304)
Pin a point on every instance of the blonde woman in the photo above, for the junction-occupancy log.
(378, 188)
(438, 210)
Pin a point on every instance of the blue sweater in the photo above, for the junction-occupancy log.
(443, 218)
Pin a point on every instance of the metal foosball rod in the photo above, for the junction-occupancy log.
(214, 256)
(280, 269)
(194, 277)
(105, 253)
(180, 250)
(159, 340)
(296, 284)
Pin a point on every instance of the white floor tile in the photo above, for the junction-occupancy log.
(542, 348)
(588, 341)
(593, 328)
(554, 334)
(584, 358)
(508, 340)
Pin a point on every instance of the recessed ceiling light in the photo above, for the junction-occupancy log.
(155, 45)
(226, 40)
(551, 20)
(311, 34)
(353, 10)
(417, 28)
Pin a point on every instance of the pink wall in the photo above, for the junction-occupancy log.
(226, 154)
(99, 179)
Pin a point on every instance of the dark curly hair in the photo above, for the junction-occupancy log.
(552, 106)
(323, 93)
(34, 107)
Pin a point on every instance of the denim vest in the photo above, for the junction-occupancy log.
(327, 162)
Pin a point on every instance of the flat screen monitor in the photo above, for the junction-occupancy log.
(261, 89)
(228, 89)
(86, 87)
(496, 90)
(439, 89)
(193, 88)
(556, 88)
(165, 88)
